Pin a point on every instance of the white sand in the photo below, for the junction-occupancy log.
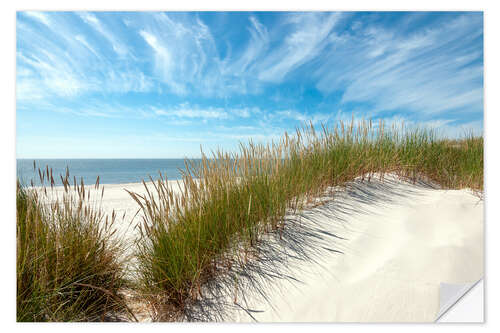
(399, 243)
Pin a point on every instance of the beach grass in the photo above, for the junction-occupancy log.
(229, 200)
(69, 264)
(71, 267)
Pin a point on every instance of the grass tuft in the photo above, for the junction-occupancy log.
(230, 199)
(69, 264)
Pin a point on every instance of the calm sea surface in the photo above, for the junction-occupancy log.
(110, 171)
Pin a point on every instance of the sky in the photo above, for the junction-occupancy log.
(166, 84)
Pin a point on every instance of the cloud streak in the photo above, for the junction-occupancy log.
(185, 110)
(64, 60)
(95, 23)
(304, 42)
(423, 72)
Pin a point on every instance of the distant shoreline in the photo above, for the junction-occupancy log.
(110, 171)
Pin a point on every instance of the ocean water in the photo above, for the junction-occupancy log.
(110, 171)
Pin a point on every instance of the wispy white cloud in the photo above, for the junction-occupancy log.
(198, 67)
(83, 40)
(164, 65)
(185, 110)
(255, 48)
(306, 41)
(68, 62)
(47, 72)
(246, 112)
(209, 113)
(184, 54)
(410, 72)
(128, 81)
(94, 108)
(118, 46)
(315, 118)
(40, 16)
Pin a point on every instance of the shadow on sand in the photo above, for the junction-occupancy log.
(305, 238)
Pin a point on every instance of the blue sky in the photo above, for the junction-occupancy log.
(153, 84)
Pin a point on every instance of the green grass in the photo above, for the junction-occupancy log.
(68, 262)
(231, 199)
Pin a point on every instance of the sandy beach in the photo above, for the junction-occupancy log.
(116, 198)
(371, 252)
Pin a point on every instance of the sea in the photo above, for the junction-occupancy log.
(110, 171)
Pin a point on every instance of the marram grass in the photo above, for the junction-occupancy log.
(230, 199)
(69, 265)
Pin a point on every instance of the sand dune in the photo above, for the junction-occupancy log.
(377, 252)
(398, 242)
